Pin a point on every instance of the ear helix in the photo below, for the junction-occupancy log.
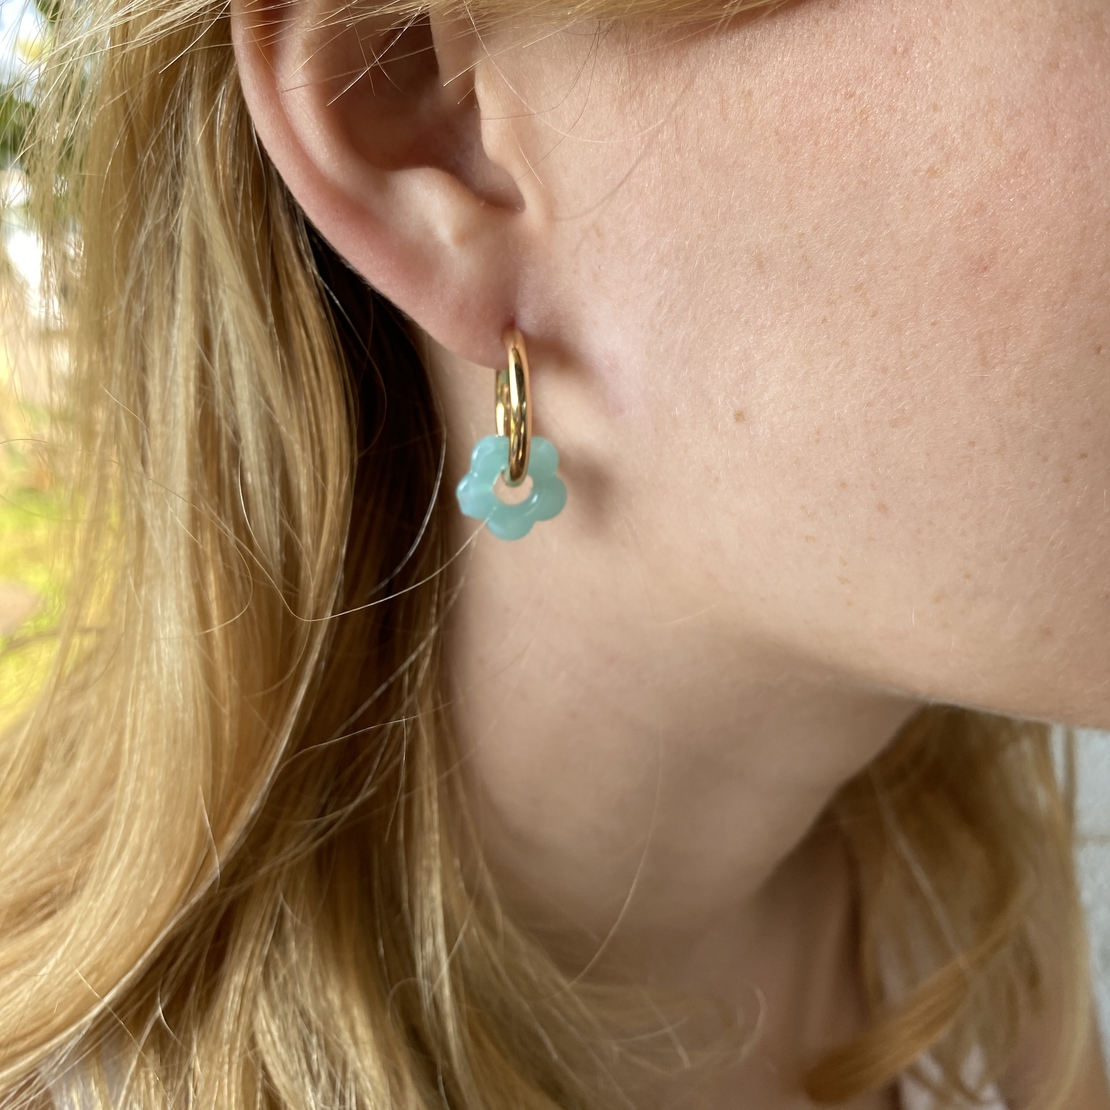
(513, 453)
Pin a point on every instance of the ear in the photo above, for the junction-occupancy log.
(377, 131)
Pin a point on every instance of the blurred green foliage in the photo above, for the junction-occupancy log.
(33, 533)
(33, 527)
(48, 9)
(17, 95)
(15, 117)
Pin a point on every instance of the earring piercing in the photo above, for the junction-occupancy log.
(514, 454)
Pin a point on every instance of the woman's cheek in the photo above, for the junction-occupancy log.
(848, 336)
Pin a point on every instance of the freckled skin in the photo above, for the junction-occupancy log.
(879, 232)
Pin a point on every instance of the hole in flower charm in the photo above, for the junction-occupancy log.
(476, 494)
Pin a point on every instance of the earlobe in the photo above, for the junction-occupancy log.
(376, 130)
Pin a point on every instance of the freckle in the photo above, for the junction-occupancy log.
(939, 596)
(971, 443)
(1045, 633)
(1082, 454)
(739, 416)
(967, 576)
(842, 484)
(843, 581)
(843, 561)
(901, 420)
(1098, 349)
(884, 509)
(810, 539)
(934, 171)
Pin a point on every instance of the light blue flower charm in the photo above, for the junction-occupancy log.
(510, 522)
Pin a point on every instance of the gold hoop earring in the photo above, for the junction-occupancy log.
(512, 409)
(512, 454)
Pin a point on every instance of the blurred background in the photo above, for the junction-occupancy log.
(32, 515)
(33, 511)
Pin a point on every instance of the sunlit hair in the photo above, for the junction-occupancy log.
(235, 865)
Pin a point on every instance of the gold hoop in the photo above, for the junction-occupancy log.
(512, 407)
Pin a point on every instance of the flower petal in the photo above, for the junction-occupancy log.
(477, 499)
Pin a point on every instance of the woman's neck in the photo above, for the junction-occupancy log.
(646, 788)
(636, 775)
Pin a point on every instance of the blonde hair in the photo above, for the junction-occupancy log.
(230, 839)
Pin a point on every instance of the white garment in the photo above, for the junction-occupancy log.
(913, 1096)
